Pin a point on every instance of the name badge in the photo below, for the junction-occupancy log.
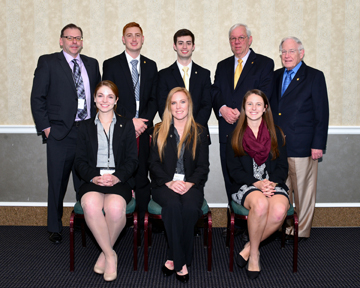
(137, 105)
(106, 171)
(81, 103)
(178, 177)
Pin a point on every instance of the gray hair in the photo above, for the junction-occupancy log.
(297, 40)
(248, 32)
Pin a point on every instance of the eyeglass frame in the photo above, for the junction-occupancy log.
(71, 38)
(290, 52)
(240, 39)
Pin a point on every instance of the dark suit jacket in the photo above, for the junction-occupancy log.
(196, 171)
(257, 74)
(117, 70)
(124, 149)
(241, 168)
(54, 99)
(303, 111)
(200, 88)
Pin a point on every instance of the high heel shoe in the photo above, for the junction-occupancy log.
(240, 261)
(182, 278)
(253, 274)
(98, 269)
(166, 271)
(112, 276)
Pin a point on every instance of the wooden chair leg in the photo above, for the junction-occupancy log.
(146, 241)
(232, 228)
(209, 240)
(83, 234)
(228, 228)
(135, 239)
(206, 227)
(72, 216)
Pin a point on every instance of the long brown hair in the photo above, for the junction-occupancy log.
(113, 88)
(161, 130)
(238, 134)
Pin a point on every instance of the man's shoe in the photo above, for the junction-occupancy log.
(237, 232)
(55, 237)
(289, 239)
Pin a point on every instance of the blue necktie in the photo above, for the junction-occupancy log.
(288, 78)
(135, 79)
(79, 85)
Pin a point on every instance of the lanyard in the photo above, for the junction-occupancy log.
(108, 140)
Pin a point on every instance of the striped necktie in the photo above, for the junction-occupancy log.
(135, 79)
(79, 85)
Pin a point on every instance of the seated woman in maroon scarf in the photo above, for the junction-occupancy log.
(258, 167)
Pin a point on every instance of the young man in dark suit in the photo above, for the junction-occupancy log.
(234, 76)
(62, 97)
(136, 78)
(196, 79)
(300, 107)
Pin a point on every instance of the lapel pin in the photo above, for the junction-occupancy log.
(297, 79)
(195, 72)
(170, 135)
(144, 62)
(252, 62)
(120, 125)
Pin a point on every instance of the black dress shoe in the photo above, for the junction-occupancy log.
(166, 271)
(55, 237)
(289, 239)
(182, 278)
(197, 232)
(240, 261)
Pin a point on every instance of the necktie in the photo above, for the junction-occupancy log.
(237, 72)
(79, 85)
(186, 77)
(135, 79)
(288, 78)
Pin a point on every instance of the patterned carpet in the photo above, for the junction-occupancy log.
(330, 258)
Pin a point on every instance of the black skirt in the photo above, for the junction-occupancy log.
(122, 189)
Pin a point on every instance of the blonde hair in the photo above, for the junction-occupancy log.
(161, 130)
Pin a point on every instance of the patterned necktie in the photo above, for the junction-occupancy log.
(135, 79)
(186, 77)
(237, 72)
(288, 78)
(79, 85)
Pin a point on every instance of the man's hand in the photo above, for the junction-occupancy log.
(316, 154)
(140, 125)
(230, 115)
(47, 132)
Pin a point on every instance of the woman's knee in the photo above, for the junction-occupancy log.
(260, 206)
(278, 212)
(115, 209)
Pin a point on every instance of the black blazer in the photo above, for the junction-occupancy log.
(257, 74)
(241, 168)
(200, 88)
(117, 70)
(124, 148)
(303, 111)
(54, 99)
(196, 171)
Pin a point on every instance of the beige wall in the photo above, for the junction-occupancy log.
(329, 31)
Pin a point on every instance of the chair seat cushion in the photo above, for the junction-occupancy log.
(130, 207)
(155, 208)
(241, 210)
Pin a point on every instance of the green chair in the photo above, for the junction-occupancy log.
(78, 213)
(154, 212)
(236, 211)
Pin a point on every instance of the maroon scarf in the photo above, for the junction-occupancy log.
(257, 148)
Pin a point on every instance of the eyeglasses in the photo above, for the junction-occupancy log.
(240, 39)
(290, 52)
(71, 38)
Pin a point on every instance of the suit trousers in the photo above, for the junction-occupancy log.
(302, 180)
(179, 213)
(142, 186)
(60, 160)
(225, 171)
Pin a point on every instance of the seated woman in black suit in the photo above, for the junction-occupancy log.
(257, 164)
(179, 165)
(106, 158)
